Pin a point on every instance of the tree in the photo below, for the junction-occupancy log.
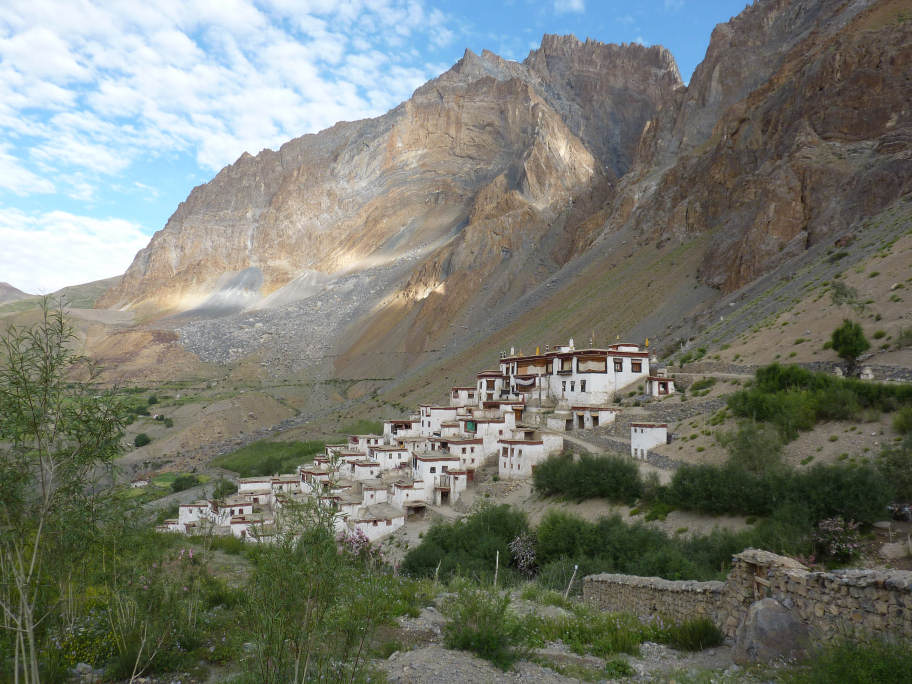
(849, 342)
(56, 430)
(754, 446)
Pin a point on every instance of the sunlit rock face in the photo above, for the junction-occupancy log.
(486, 140)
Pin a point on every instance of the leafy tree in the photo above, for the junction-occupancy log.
(141, 440)
(849, 342)
(756, 447)
(57, 430)
(182, 482)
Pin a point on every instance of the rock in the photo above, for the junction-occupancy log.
(894, 550)
(82, 669)
(770, 633)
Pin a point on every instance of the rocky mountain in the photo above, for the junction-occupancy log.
(485, 139)
(797, 125)
(377, 243)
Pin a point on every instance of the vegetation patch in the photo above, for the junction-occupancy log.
(268, 458)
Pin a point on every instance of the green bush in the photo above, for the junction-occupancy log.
(610, 477)
(895, 463)
(848, 662)
(794, 399)
(850, 342)
(141, 440)
(481, 623)
(469, 547)
(755, 447)
(693, 635)
(182, 482)
(902, 421)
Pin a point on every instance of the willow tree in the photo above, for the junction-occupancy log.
(57, 433)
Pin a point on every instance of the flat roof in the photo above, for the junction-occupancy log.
(650, 425)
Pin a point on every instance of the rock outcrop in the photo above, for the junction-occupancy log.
(797, 125)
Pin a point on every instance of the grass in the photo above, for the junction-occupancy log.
(268, 458)
(865, 662)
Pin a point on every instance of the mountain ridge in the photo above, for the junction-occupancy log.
(496, 176)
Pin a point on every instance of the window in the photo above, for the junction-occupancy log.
(636, 366)
(618, 365)
(374, 523)
(463, 450)
(444, 469)
(582, 385)
(563, 386)
(389, 522)
(433, 469)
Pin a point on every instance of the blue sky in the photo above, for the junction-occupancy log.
(111, 111)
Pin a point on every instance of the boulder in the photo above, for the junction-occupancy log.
(770, 633)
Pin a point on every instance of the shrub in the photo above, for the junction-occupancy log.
(837, 539)
(182, 482)
(849, 662)
(610, 477)
(902, 421)
(693, 635)
(152, 399)
(850, 343)
(469, 547)
(895, 464)
(223, 488)
(755, 447)
(480, 623)
(141, 440)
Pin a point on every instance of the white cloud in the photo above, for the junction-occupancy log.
(46, 251)
(19, 180)
(566, 6)
(210, 77)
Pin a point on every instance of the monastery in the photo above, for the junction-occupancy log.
(514, 415)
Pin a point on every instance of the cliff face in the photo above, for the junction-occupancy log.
(486, 134)
(797, 150)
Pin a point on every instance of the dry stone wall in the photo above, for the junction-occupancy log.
(832, 604)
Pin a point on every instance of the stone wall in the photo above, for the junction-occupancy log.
(832, 604)
(651, 597)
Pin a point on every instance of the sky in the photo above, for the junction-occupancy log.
(111, 111)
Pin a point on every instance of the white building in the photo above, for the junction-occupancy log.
(590, 377)
(431, 418)
(519, 455)
(645, 436)
(659, 386)
(463, 396)
(377, 521)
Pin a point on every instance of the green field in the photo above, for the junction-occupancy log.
(268, 458)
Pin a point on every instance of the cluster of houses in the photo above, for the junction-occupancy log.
(513, 415)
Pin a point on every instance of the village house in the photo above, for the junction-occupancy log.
(660, 385)
(463, 396)
(520, 454)
(645, 436)
(588, 377)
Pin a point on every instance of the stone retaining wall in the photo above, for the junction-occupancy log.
(832, 604)
(652, 597)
